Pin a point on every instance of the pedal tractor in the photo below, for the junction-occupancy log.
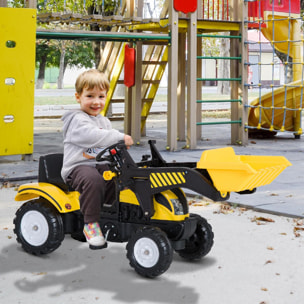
(150, 211)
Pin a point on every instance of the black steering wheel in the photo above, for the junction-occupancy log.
(109, 157)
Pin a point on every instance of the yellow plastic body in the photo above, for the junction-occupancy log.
(108, 175)
(17, 80)
(63, 201)
(234, 173)
(161, 212)
(66, 202)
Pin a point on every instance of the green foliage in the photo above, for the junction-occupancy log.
(211, 46)
(80, 54)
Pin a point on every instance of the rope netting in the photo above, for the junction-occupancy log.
(275, 77)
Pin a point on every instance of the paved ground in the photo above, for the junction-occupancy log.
(283, 196)
(256, 257)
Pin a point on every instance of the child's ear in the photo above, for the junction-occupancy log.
(77, 96)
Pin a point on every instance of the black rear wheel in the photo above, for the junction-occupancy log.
(38, 227)
(200, 243)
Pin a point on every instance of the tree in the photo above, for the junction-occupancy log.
(109, 8)
(44, 58)
(223, 87)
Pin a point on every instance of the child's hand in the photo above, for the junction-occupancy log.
(128, 140)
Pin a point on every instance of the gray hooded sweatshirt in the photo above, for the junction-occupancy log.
(84, 137)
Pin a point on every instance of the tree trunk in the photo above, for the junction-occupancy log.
(61, 67)
(95, 44)
(41, 73)
(223, 87)
(288, 71)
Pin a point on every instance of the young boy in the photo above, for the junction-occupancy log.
(86, 133)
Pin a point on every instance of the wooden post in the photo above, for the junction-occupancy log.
(172, 83)
(3, 3)
(136, 96)
(239, 135)
(30, 3)
(199, 89)
(181, 89)
(128, 91)
(136, 90)
(191, 80)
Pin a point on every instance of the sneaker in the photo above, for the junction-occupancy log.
(94, 236)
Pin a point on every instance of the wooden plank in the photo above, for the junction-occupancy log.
(172, 85)
(3, 3)
(181, 89)
(191, 81)
(239, 134)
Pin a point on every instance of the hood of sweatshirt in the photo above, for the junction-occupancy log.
(67, 117)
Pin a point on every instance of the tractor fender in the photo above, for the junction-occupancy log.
(64, 202)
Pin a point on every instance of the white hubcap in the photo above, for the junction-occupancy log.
(34, 228)
(146, 252)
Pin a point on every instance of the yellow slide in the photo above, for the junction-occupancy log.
(265, 113)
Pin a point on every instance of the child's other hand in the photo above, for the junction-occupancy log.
(128, 140)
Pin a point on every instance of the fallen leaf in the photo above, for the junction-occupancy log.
(270, 248)
(298, 228)
(264, 289)
(197, 204)
(268, 262)
(298, 222)
(262, 219)
(225, 209)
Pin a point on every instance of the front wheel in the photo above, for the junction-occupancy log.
(38, 227)
(200, 243)
(149, 251)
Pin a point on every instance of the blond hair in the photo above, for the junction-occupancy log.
(91, 79)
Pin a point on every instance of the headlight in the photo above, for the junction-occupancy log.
(178, 207)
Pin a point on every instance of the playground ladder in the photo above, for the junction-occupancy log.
(154, 64)
(239, 58)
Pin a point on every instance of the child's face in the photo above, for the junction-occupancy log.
(92, 101)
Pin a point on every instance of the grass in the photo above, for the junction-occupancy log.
(65, 100)
(54, 100)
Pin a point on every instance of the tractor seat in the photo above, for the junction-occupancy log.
(50, 170)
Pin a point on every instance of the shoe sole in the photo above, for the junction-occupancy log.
(105, 245)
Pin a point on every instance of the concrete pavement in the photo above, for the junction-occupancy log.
(256, 257)
(283, 196)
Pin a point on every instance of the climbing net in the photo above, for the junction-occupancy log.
(277, 76)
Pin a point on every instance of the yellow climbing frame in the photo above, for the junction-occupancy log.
(17, 79)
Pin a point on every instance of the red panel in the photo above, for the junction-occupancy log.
(283, 6)
(188, 6)
(129, 79)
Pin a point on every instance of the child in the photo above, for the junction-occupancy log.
(86, 133)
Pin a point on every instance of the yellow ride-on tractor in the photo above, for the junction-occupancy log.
(150, 211)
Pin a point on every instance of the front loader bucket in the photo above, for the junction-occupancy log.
(234, 173)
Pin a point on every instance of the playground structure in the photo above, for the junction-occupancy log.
(281, 108)
(152, 44)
